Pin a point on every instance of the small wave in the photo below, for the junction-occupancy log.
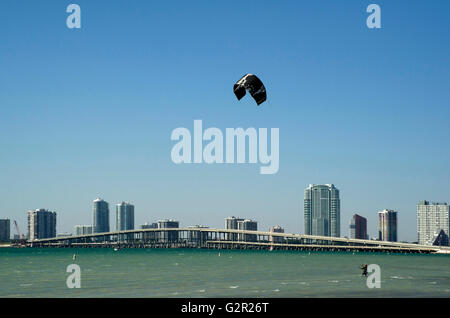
(201, 290)
(176, 264)
(432, 283)
(276, 290)
(333, 281)
(234, 287)
(397, 277)
(25, 285)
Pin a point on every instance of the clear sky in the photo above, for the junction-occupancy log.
(87, 113)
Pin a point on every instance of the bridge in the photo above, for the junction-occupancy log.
(198, 237)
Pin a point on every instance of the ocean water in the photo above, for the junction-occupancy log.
(41, 272)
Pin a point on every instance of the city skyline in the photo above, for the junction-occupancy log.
(385, 230)
(89, 112)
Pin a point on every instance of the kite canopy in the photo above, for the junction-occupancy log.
(253, 85)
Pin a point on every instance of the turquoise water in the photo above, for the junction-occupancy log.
(204, 273)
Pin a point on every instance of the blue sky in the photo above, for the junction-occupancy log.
(88, 113)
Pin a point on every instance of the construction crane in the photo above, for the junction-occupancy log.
(17, 230)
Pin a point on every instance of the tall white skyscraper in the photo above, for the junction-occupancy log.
(124, 216)
(432, 218)
(322, 209)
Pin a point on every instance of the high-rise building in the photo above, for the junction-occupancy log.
(358, 227)
(231, 223)
(5, 230)
(149, 235)
(82, 229)
(168, 224)
(387, 225)
(124, 216)
(168, 236)
(247, 225)
(432, 218)
(65, 234)
(196, 236)
(41, 224)
(276, 229)
(149, 226)
(322, 209)
(101, 216)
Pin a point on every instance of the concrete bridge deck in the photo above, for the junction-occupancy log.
(237, 239)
